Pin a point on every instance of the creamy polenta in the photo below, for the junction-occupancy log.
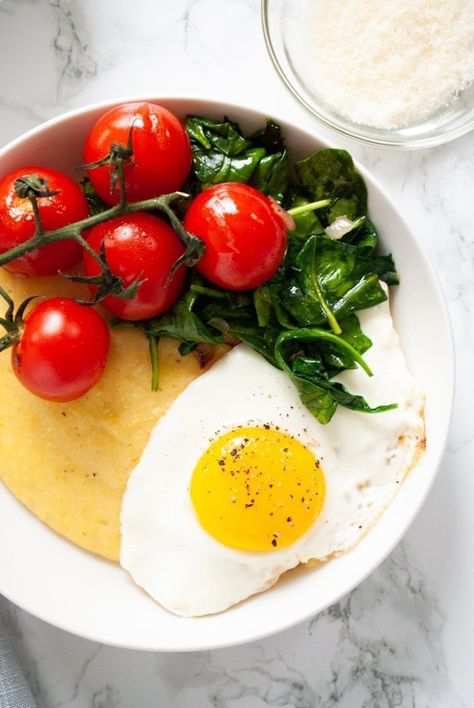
(69, 463)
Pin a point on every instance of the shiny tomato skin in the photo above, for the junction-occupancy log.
(161, 151)
(62, 351)
(244, 235)
(17, 224)
(140, 246)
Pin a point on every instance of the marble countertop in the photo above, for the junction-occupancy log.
(405, 637)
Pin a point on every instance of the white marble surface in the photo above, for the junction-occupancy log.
(405, 637)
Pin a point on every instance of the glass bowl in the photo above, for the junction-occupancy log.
(284, 28)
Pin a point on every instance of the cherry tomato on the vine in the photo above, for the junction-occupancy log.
(161, 150)
(139, 246)
(244, 234)
(62, 350)
(17, 224)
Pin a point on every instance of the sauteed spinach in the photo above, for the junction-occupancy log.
(303, 320)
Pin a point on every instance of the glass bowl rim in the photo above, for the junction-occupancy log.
(352, 133)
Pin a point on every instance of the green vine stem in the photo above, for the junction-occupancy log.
(33, 187)
(155, 371)
(73, 231)
(312, 206)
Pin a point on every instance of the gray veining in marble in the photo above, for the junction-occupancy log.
(380, 646)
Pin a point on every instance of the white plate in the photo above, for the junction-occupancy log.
(81, 593)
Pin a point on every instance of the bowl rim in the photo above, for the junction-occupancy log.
(449, 375)
(354, 134)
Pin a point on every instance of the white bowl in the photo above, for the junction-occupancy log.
(91, 597)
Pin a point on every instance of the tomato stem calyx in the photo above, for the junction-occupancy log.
(12, 322)
(118, 156)
(194, 246)
(34, 187)
(106, 282)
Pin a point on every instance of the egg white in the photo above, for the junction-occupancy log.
(364, 459)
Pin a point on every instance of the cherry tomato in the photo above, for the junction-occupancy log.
(62, 350)
(161, 151)
(138, 246)
(244, 234)
(17, 224)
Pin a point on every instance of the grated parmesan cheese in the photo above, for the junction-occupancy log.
(390, 63)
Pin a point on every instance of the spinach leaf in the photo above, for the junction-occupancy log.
(310, 377)
(343, 397)
(272, 175)
(321, 283)
(310, 279)
(352, 333)
(322, 398)
(315, 334)
(269, 137)
(262, 300)
(182, 323)
(341, 265)
(224, 137)
(330, 173)
(309, 367)
(364, 238)
(316, 398)
(347, 280)
(235, 306)
(221, 153)
(260, 339)
(306, 223)
(212, 166)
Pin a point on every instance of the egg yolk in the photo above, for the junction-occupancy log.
(257, 489)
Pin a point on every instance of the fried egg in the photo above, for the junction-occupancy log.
(239, 482)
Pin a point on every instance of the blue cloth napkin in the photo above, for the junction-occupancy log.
(14, 691)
